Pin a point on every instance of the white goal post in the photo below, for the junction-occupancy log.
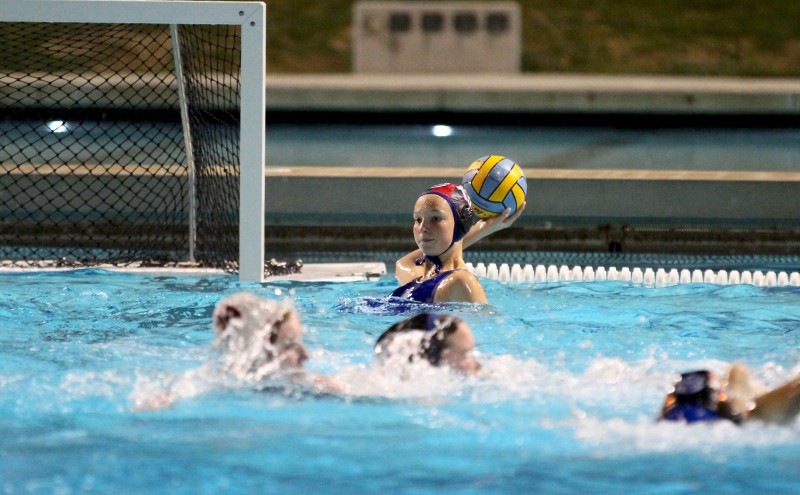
(251, 17)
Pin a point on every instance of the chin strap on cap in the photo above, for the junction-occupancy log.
(437, 262)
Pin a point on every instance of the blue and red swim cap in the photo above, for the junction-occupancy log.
(460, 205)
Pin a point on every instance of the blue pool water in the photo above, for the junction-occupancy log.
(574, 374)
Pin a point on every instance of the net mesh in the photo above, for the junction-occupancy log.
(215, 138)
(93, 156)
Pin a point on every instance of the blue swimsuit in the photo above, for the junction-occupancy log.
(421, 291)
(691, 413)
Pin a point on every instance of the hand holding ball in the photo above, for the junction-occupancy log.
(495, 183)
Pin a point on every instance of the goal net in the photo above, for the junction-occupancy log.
(132, 132)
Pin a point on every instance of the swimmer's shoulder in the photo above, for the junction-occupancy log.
(460, 286)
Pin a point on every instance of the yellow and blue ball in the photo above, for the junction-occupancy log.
(495, 183)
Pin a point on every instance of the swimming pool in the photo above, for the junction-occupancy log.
(574, 374)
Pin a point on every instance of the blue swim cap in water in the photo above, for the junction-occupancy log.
(698, 396)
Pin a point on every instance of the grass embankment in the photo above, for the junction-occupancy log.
(682, 37)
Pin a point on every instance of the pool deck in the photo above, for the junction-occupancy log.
(567, 209)
(311, 272)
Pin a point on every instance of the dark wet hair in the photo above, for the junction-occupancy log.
(436, 327)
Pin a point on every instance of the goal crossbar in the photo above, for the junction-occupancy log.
(251, 17)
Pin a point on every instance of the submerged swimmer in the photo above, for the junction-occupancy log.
(702, 396)
(443, 227)
(440, 340)
(260, 338)
(257, 337)
(257, 341)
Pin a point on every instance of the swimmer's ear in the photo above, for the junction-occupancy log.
(225, 315)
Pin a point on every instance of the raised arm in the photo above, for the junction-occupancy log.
(405, 269)
(781, 405)
(487, 227)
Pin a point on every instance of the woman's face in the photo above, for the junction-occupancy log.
(433, 224)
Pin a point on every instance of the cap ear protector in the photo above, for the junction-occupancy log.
(438, 328)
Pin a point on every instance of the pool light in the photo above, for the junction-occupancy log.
(57, 126)
(441, 130)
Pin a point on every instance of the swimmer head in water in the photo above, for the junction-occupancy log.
(441, 340)
(258, 336)
(698, 396)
